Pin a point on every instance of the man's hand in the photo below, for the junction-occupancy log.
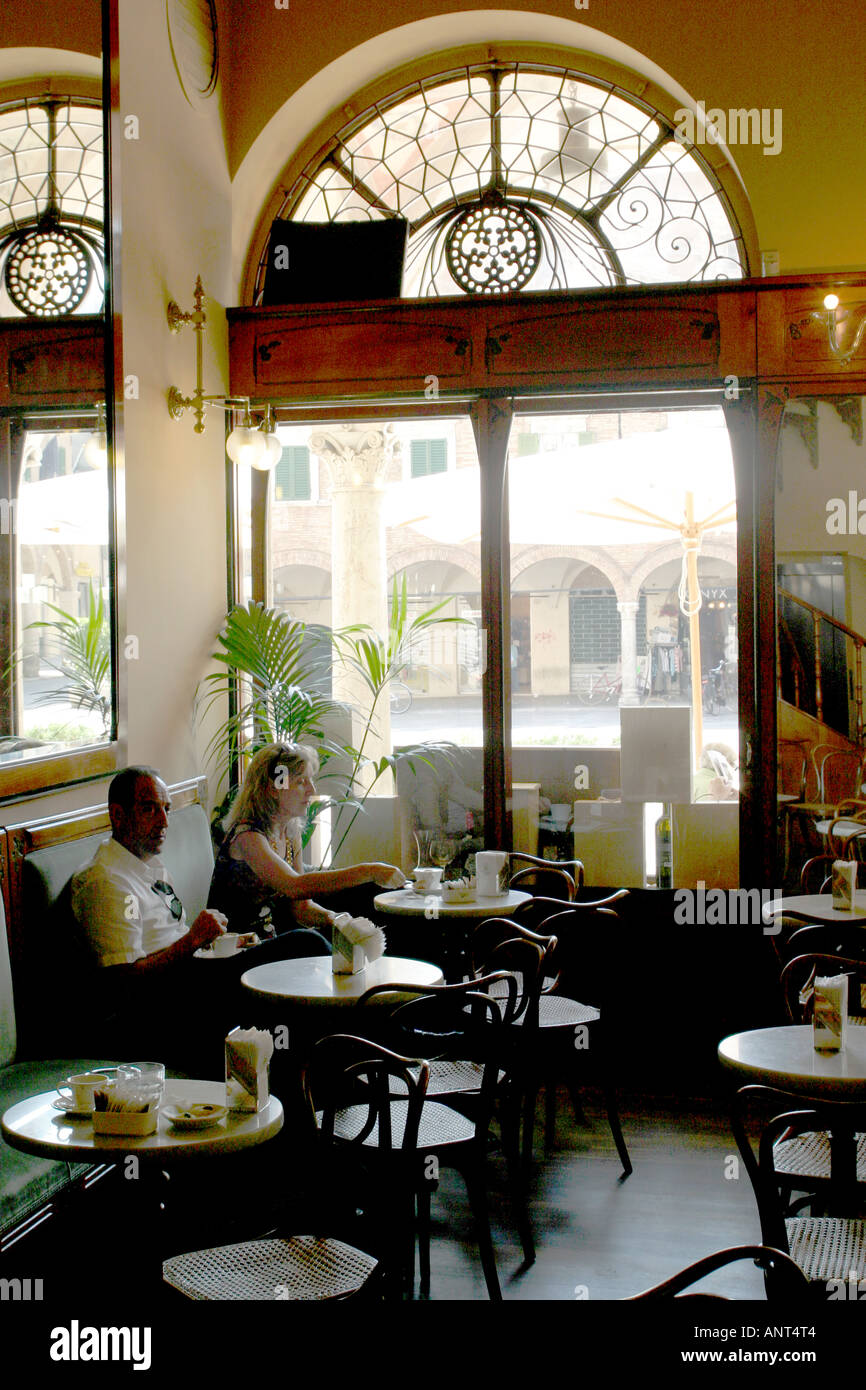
(207, 926)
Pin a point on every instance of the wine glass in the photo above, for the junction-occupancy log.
(442, 851)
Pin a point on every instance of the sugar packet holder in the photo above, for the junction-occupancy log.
(829, 1012)
(355, 941)
(844, 882)
(248, 1054)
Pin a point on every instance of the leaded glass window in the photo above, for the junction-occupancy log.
(519, 176)
(51, 208)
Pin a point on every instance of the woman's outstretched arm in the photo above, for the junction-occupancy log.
(266, 864)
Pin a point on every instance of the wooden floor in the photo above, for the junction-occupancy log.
(600, 1236)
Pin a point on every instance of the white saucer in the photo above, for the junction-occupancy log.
(66, 1105)
(423, 892)
(190, 1119)
(206, 952)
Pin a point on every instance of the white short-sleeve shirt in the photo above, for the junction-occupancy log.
(122, 916)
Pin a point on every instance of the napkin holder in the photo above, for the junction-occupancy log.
(830, 1013)
(355, 941)
(247, 1062)
(347, 959)
(844, 883)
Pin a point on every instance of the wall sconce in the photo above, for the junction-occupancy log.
(251, 442)
(828, 316)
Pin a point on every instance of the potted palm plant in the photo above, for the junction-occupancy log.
(274, 676)
(83, 657)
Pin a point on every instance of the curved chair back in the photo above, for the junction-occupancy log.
(784, 1280)
(350, 1084)
(557, 878)
(501, 945)
(799, 973)
(828, 939)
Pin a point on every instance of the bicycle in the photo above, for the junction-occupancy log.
(600, 688)
(400, 697)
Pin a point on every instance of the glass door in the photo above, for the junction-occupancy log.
(374, 544)
(623, 643)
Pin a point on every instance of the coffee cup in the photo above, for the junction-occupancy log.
(79, 1088)
(427, 880)
(226, 945)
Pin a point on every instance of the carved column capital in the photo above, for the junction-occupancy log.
(357, 455)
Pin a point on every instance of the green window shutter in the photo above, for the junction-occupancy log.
(292, 475)
(428, 456)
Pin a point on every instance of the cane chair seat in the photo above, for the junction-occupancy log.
(558, 1011)
(808, 1157)
(308, 1268)
(437, 1127)
(453, 1077)
(827, 1247)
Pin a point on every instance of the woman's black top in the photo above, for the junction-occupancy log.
(237, 890)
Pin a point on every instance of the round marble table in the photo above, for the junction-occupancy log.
(785, 1057)
(431, 910)
(125, 1249)
(405, 902)
(311, 980)
(816, 907)
(37, 1128)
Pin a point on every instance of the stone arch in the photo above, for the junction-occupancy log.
(409, 555)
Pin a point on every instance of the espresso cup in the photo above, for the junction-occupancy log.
(79, 1088)
(226, 945)
(427, 880)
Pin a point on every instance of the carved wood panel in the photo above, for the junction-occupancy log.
(63, 364)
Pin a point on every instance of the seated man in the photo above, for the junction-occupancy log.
(134, 924)
(128, 912)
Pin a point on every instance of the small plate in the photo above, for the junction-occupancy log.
(198, 1116)
(66, 1105)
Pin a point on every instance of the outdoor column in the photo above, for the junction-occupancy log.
(628, 645)
(358, 457)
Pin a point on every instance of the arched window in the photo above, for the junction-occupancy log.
(525, 176)
(51, 207)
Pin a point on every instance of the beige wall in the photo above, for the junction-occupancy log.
(176, 213)
(809, 201)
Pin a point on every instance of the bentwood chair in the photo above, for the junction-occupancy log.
(558, 879)
(534, 913)
(784, 1281)
(464, 1031)
(385, 1125)
(829, 1249)
(353, 1082)
(474, 1061)
(557, 1026)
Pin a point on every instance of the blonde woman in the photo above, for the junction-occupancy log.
(259, 880)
